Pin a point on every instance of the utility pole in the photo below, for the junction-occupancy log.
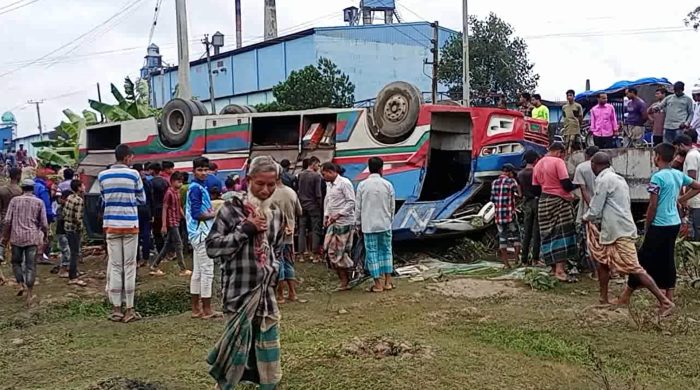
(465, 55)
(436, 59)
(212, 100)
(239, 26)
(183, 50)
(270, 19)
(38, 115)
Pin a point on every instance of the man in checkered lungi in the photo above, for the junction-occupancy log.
(374, 204)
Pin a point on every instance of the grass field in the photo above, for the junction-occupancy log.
(519, 339)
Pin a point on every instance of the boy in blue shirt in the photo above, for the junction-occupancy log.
(663, 223)
(199, 216)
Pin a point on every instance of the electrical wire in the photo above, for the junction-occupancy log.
(68, 44)
(155, 22)
(114, 21)
(7, 9)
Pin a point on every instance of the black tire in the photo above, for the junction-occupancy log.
(176, 125)
(489, 238)
(233, 109)
(396, 111)
(201, 108)
(250, 109)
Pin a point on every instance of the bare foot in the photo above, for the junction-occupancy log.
(604, 301)
(620, 302)
(196, 314)
(292, 298)
(666, 309)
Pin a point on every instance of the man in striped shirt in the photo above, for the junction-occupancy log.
(122, 190)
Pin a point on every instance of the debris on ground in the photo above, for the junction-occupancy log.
(474, 288)
(460, 250)
(539, 279)
(94, 250)
(429, 267)
(126, 384)
(385, 347)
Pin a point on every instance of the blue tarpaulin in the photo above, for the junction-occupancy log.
(379, 4)
(621, 86)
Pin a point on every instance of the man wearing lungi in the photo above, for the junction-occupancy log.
(613, 246)
(555, 210)
(374, 210)
(339, 220)
(245, 235)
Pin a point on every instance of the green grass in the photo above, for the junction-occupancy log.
(532, 340)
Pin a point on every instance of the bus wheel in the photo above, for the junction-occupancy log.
(176, 124)
(396, 111)
(233, 109)
(250, 109)
(201, 108)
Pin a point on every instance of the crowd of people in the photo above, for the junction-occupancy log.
(669, 115)
(605, 243)
(256, 228)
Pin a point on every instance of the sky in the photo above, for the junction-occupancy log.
(58, 50)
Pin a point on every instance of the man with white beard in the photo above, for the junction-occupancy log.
(246, 234)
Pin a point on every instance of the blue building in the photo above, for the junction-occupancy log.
(371, 55)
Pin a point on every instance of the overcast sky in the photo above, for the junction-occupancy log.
(45, 58)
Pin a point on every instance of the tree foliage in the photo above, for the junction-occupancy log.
(498, 62)
(134, 103)
(323, 85)
(63, 149)
(693, 18)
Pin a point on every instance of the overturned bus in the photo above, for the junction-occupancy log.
(439, 158)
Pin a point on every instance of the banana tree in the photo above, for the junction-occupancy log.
(63, 149)
(132, 104)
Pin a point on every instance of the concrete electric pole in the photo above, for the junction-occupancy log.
(436, 59)
(465, 55)
(270, 19)
(212, 100)
(183, 51)
(239, 27)
(38, 116)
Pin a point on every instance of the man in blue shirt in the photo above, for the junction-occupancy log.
(663, 223)
(43, 192)
(199, 216)
(213, 180)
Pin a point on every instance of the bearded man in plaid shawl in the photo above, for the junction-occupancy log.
(247, 235)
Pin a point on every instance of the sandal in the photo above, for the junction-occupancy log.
(133, 318)
(77, 282)
(372, 289)
(389, 287)
(116, 317)
(214, 314)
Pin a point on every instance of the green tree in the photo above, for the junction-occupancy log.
(693, 18)
(498, 62)
(323, 85)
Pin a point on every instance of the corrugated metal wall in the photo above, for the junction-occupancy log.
(371, 55)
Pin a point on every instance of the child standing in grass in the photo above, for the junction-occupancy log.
(504, 191)
(172, 215)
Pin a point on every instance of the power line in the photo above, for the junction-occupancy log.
(651, 30)
(47, 55)
(6, 11)
(155, 22)
(111, 24)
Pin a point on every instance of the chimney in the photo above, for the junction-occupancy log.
(270, 19)
(239, 28)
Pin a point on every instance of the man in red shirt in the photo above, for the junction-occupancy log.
(171, 217)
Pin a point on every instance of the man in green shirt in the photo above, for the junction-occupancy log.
(540, 111)
(573, 117)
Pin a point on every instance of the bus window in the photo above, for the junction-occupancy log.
(103, 137)
(500, 125)
(275, 130)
